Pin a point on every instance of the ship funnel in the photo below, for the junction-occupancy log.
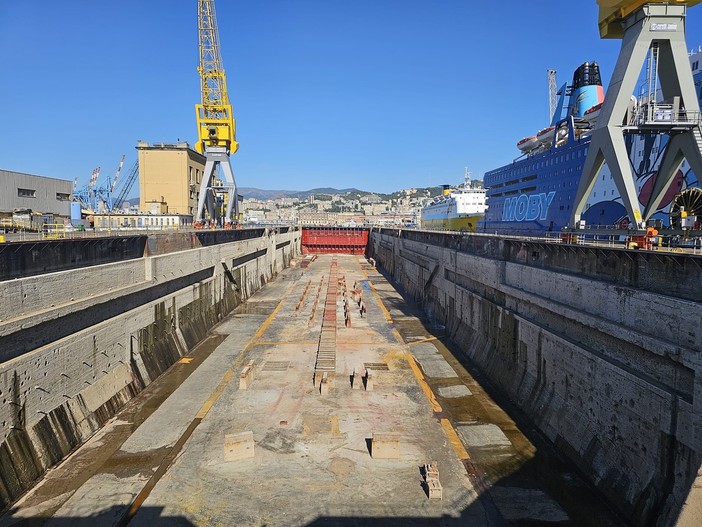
(446, 190)
(587, 90)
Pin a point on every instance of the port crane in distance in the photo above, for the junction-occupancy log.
(94, 198)
(216, 126)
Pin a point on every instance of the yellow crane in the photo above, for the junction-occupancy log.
(216, 126)
(613, 12)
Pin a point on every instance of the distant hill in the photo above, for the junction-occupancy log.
(348, 193)
(257, 193)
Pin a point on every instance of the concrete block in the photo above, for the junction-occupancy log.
(238, 446)
(431, 471)
(369, 380)
(246, 376)
(324, 384)
(434, 489)
(356, 380)
(385, 446)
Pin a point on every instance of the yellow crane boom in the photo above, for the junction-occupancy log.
(215, 120)
(613, 12)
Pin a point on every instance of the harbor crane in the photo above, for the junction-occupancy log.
(654, 28)
(100, 198)
(215, 120)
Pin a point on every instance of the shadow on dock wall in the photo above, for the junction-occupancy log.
(623, 422)
(23, 259)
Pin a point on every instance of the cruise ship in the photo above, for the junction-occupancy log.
(534, 194)
(456, 209)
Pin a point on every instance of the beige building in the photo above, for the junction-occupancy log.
(169, 174)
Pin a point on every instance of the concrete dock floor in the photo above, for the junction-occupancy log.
(204, 446)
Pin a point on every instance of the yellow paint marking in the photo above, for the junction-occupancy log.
(423, 383)
(449, 430)
(456, 443)
(375, 293)
(185, 360)
(229, 374)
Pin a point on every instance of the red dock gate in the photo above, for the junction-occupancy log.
(334, 240)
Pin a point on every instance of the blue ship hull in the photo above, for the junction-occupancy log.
(535, 195)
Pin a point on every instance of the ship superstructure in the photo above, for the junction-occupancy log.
(535, 193)
(456, 209)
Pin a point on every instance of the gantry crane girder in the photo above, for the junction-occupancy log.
(216, 126)
(613, 13)
(215, 119)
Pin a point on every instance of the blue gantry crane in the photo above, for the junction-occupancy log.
(100, 198)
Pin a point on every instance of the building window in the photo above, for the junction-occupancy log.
(60, 196)
(26, 193)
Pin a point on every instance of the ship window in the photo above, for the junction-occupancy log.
(26, 193)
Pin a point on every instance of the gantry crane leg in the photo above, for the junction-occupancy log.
(663, 26)
(217, 156)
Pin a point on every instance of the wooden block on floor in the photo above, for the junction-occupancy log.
(385, 446)
(246, 376)
(238, 446)
(434, 489)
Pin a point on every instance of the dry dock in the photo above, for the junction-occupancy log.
(247, 429)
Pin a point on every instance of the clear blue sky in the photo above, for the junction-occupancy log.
(374, 94)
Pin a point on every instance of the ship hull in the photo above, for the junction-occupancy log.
(466, 223)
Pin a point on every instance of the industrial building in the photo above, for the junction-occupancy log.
(169, 175)
(35, 196)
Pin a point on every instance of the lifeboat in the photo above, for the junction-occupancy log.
(592, 113)
(546, 135)
(528, 143)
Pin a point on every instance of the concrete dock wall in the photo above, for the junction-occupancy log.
(600, 348)
(76, 345)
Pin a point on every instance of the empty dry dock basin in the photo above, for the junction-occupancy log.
(253, 437)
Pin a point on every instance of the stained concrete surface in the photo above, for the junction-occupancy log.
(312, 463)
